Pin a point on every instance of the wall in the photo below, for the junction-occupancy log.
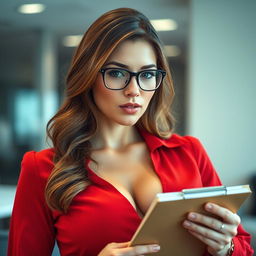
(222, 85)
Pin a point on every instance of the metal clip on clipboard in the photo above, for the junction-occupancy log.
(204, 192)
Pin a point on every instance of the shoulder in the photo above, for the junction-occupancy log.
(41, 157)
(187, 140)
(187, 143)
(174, 141)
(189, 147)
(183, 140)
(38, 163)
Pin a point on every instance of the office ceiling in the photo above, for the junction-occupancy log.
(70, 17)
(74, 16)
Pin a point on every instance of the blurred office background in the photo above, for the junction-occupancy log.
(211, 49)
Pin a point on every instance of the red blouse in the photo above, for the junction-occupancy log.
(101, 214)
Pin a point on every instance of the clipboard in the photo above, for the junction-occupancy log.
(162, 223)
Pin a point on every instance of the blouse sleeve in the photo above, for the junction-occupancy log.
(209, 175)
(210, 178)
(31, 229)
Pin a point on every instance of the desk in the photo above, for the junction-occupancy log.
(7, 194)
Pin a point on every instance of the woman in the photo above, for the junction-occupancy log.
(113, 150)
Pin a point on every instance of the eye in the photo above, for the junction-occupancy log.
(148, 74)
(115, 73)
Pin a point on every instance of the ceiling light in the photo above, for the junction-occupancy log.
(31, 8)
(164, 24)
(72, 41)
(172, 50)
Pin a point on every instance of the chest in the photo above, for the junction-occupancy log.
(107, 210)
(131, 173)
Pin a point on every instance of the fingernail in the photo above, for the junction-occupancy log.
(192, 216)
(209, 206)
(155, 248)
(187, 223)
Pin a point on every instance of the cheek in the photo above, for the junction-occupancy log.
(98, 88)
(148, 97)
(102, 96)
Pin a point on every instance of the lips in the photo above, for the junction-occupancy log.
(130, 105)
(130, 108)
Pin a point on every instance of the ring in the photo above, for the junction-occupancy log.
(222, 226)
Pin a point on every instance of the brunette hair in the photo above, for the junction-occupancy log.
(72, 127)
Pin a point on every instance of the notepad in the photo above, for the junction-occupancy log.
(162, 223)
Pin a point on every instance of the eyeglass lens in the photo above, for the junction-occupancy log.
(118, 79)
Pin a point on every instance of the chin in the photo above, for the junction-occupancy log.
(130, 122)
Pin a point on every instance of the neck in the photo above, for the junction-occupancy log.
(115, 137)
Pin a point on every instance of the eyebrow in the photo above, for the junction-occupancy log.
(127, 67)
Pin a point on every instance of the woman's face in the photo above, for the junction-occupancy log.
(126, 106)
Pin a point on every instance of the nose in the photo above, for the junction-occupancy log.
(132, 89)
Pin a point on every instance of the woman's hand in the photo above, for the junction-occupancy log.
(123, 249)
(216, 234)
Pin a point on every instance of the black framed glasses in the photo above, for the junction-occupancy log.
(119, 78)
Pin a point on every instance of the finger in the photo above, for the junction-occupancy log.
(139, 250)
(119, 245)
(210, 222)
(209, 242)
(224, 213)
(207, 233)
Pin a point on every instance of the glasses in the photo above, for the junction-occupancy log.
(119, 78)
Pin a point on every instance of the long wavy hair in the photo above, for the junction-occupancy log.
(72, 127)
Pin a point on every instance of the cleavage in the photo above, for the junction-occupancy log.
(132, 176)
